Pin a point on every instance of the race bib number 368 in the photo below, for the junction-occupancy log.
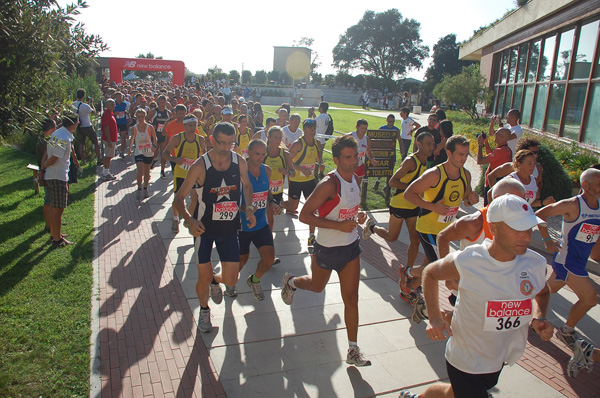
(503, 315)
(225, 211)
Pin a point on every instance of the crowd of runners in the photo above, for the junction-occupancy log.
(230, 166)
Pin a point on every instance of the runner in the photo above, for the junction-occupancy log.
(262, 134)
(364, 148)
(335, 200)
(412, 168)
(174, 127)
(292, 131)
(497, 287)
(442, 188)
(243, 136)
(187, 147)
(305, 156)
(121, 111)
(579, 232)
(158, 118)
(323, 121)
(260, 235)
(280, 162)
(145, 146)
(218, 179)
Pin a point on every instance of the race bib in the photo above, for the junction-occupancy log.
(145, 148)
(276, 186)
(588, 233)
(245, 153)
(529, 195)
(361, 156)
(120, 115)
(259, 199)
(348, 214)
(225, 211)
(449, 217)
(187, 163)
(160, 128)
(504, 315)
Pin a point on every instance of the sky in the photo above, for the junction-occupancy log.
(236, 34)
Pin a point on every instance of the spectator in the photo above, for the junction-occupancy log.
(48, 127)
(110, 137)
(85, 129)
(495, 158)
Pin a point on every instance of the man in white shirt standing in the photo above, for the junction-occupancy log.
(292, 131)
(85, 129)
(512, 119)
(499, 296)
(56, 174)
(407, 128)
(322, 122)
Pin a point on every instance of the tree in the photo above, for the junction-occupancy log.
(40, 47)
(261, 77)
(465, 90)
(445, 62)
(215, 73)
(384, 44)
(246, 77)
(234, 76)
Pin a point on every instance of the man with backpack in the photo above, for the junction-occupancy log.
(324, 128)
(85, 128)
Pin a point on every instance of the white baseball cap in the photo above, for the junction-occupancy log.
(514, 212)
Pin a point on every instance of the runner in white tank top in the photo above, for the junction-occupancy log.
(333, 209)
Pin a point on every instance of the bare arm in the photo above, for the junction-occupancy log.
(471, 198)
(467, 227)
(408, 166)
(414, 191)
(247, 190)
(173, 142)
(324, 191)
(568, 208)
(196, 173)
(440, 270)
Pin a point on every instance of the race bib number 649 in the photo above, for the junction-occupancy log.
(503, 315)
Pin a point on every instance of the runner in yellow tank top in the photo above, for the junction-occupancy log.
(439, 192)
(243, 136)
(183, 150)
(402, 210)
(280, 161)
(305, 156)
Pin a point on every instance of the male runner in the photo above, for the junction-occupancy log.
(187, 147)
(333, 207)
(260, 235)
(175, 126)
(499, 296)
(121, 111)
(439, 193)
(218, 179)
(323, 121)
(579, 232)
(292, 131)
(158, 117)
(364, 148)
(402, 210)
(305, 155)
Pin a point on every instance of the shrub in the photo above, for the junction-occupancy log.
(556, 181)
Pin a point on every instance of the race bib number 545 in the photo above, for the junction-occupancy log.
(503, 315)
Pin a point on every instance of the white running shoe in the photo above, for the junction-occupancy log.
(366, 232)
(204, 324)
(356, 358)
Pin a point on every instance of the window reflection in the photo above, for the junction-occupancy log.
(585, 50)
(522, 62)
(540, 105)
(547, 59)
(527, 101)
(557, 95)
(591, 133)
(533, 61)
(565, 48)
(574, 111)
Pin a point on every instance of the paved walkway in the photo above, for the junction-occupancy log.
(149, 344)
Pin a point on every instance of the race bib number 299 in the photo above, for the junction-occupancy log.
(503, 315)
(225, 211)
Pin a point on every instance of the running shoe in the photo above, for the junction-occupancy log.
(61, 243)
(409, 298)
(230, 291)
(376, 185)
(257, 291)
(138, 194)
(163, 175)
(287, 293)
(356, 358)
(420, 311)
(366, 232)
(122, 154)
(581, 359)
(109, 177)
(146, 193)
(567, 338)
(216, 294)
(405, 280)
(204, 324)
(277, 261)
(407, 394)
(175, 226)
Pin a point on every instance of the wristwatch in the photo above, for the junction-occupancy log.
(250, 207)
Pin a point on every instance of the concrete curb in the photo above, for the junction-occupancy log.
(95, 373)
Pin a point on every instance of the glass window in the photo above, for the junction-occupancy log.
(539, 106)
(522, 62)
(504, 67)
(527, 101)
(517, 97)
(565, 48)
(509, 92)
(575, 101)
(512, 69)
(500, 100)
(533, 61)
(591, 132)
(557, 96)
(547, 59)
(495, 99)
(585, 50)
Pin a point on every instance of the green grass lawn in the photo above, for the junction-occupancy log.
(344, 120)
(45, 293)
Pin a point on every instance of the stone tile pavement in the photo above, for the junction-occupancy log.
(149, 344)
